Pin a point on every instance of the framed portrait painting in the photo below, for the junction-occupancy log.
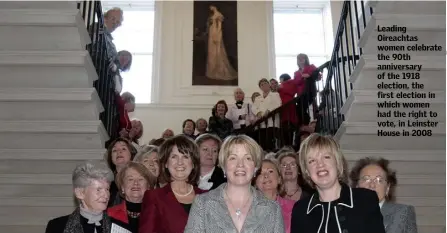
(215, 45)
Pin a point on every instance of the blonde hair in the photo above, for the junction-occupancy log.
(317, 142)
(250, 145)
(145, 152)
(281, 188)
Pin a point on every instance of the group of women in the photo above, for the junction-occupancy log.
(208, 186)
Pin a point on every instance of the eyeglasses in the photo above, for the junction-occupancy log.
(291, 165)
(377, 179)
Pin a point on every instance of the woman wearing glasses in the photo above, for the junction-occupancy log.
(293, 181)
(374, 174)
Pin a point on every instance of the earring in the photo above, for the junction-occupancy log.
(225, 175)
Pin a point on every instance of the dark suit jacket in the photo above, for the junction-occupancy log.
(217, 178)
(356, 211)
(399, 218)
(57, 225)
(162, 213)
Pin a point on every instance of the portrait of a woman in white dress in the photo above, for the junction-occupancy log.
(218, 66)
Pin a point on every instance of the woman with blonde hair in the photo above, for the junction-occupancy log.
(270, 182)
(236, 206)
(334, 206)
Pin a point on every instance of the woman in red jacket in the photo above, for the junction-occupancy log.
(288, 89)
(166, 210)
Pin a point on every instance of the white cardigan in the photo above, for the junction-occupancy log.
(271, 102)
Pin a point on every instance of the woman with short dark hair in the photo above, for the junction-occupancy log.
(375, 174)
(166, 210)
(119, 153)
(219, 124)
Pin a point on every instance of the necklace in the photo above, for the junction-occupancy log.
(238, 211)
(293, 193)
(183, 195)
(133, 214)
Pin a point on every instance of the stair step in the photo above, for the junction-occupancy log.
(57, 6)
(402, 7)
(370, 63)
(397, 155)
(51, 154)
(46, 69)
(26, 29)
(32, 215)
(20, 166)
(35, 190)
(419, 190)
(411, 167)
(362, 106)
(52, 134)
(53, 179)
(433, 80)
(67, 201)
(422, 201)
(428, 38)
(50, 104)
(363, 136)
(29, 228)
(413, 22)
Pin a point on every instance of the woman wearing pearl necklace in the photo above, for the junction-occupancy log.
(236, 206)
(166, 210)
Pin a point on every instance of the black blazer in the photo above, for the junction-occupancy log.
(58, 225)
(356, 211)
(217, 178)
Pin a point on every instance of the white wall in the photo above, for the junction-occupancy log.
(174, 97)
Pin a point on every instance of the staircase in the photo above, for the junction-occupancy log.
(419, 160)
(50, 111)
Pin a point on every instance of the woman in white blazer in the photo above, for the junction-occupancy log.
(264, 104)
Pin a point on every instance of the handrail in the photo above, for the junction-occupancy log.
(293, 101)
(91, 12)
(336, 88)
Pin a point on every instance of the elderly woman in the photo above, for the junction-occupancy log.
(270, 182)
(374, 174)
(293, 182)
(91, 184)
(133, 180)
(119, 153)
(166, 210)
(236, 206)
(211, 176)
(339, 207)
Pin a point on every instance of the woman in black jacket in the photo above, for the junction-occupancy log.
(334, 207)
(218, 123)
